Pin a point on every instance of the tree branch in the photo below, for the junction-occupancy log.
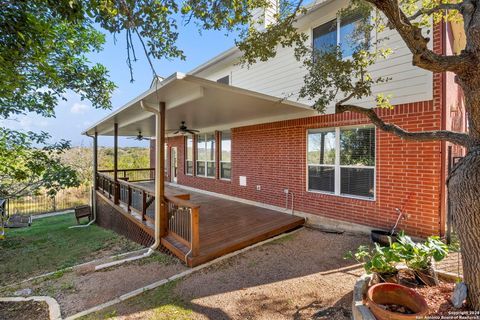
(437, 135)
(423, 57)
(441, 6)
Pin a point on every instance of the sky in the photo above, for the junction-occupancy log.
(74, 116)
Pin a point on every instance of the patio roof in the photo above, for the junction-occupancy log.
(203, 104)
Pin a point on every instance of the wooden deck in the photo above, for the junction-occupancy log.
(226, 226)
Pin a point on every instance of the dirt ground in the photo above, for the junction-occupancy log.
(302, 276)
(25, 310)
(76, 292)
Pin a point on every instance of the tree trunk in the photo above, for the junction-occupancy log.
(464, 193)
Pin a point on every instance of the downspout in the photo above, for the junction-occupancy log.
(93, 201)
(443, 147)
(159, 186)
(159, 172)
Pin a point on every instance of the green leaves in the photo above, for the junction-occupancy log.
(417, 256)
(378, 259)
(42, 56)
(29, 163)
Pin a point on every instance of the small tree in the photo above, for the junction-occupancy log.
(29, 163)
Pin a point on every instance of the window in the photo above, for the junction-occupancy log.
(189, 155)
(341, 161)
(226, 155)
(224, 80)
(344, 32)
(206, 155)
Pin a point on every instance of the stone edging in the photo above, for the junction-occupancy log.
(359, 310)
(53, 307)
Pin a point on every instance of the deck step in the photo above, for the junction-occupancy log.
(176, 247)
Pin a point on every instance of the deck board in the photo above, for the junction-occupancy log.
(227, 225)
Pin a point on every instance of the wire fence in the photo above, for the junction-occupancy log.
(43, 203)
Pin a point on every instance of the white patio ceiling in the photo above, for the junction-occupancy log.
(203, 104)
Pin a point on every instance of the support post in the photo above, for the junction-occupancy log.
(115, 164)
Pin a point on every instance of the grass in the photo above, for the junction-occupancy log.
(161, 303)
(48, 245)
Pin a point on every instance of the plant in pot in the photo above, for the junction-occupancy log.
(381, 261)
(419, 257)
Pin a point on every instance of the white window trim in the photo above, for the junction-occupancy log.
(338, 24)
(338, 167)
(205, 161)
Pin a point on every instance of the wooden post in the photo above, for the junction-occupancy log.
(161, 174)
(129, 198)
(195, 232)
(144, 205)
(115, 164)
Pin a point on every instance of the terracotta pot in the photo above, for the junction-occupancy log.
(391, 293)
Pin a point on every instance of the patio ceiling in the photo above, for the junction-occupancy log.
(203, 104)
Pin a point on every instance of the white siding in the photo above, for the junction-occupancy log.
(282, 76)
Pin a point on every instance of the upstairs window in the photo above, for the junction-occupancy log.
(226, 155)
(206, 155)
(344, 32)
(341, 161)
(189, 155)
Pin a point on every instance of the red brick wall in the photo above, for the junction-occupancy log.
(273, 156)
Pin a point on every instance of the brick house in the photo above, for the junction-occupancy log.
(258, 144)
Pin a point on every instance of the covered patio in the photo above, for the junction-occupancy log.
(194, 226)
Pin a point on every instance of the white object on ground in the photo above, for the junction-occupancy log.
(23, 292)
(53, 306)
(459, 294)
(51, 214)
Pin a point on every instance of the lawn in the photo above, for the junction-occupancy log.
(49, 245)
(162, 304)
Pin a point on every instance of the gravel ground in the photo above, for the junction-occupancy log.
(302, 276)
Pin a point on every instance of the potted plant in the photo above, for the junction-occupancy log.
(381, 261)
(418, 257)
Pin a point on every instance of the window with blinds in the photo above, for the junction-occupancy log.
(341, 161)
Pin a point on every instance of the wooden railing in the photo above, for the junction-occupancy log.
(182, 216)
(132, 175)
(136, 198)
(183, 222)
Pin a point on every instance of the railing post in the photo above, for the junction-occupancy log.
(195, 232)
(116, 192)
(129, 198)
(144, 205)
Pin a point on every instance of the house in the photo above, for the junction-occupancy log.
(261, 154)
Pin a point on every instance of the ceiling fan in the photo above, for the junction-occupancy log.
(139, 137)
(183, 129)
